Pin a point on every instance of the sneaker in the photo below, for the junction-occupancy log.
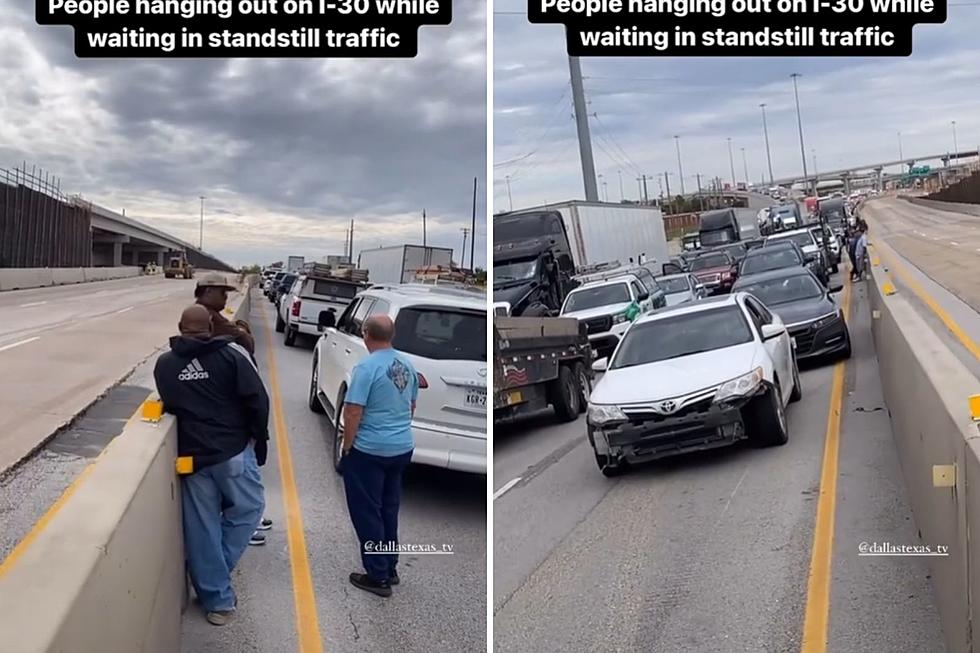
(394, 579)
(366, 583)
(220, 617)
(257, 539)
(265, 524)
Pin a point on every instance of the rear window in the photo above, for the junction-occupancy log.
(332, 289)
(770, 260)
(441, 334)
(677, 284)
(709, 261)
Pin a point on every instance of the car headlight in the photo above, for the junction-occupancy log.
(599, 414)
(741, 386)
(619, 318)
(826, 320)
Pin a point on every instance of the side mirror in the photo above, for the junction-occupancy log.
(600, 365)
(643, 296)
(836, 288)
(770, 331)
(327, 319)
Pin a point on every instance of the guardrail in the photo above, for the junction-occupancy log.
(928, 391)
(21, 278)
(103, 570)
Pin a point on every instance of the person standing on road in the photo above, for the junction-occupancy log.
(860, 251)
(377, 447)
(211, 385)
(212, 293)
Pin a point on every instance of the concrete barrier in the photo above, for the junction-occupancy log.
(22, 278)
(103, 570)
(926, 388)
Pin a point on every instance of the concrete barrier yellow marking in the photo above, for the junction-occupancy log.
(888, 288)
(943, 475)
(975, 407)
(817, 613)
(304, 598)
(151, 410)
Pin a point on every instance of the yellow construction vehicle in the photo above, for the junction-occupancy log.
(178, 267)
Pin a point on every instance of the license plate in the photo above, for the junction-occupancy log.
(476, 397)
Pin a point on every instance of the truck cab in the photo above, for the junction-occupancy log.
(532, 262)
(719, 227)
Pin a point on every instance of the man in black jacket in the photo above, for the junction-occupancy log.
(212, 387)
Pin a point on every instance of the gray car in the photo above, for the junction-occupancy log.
(681, 288)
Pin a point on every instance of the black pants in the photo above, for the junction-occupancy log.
(373, 485)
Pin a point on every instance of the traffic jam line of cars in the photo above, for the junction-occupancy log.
(441, 329)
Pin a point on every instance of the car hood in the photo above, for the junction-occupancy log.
(675, 377)
(598, 311)
(512, 292)
(803, 310)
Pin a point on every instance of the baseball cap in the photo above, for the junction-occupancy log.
(214, 280)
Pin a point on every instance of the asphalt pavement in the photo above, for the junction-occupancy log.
(440, 604)
(710, 551)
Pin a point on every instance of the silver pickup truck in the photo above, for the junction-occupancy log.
(300, 308)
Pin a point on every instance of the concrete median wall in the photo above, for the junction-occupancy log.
(22, 278)
(103, 570)
(926, 388)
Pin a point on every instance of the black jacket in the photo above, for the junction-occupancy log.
(216, 394)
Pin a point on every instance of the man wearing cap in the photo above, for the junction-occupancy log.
(212, 293)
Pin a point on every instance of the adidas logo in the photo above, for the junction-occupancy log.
(193, 372)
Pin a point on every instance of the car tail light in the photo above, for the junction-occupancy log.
(423, 384)
(296, 304)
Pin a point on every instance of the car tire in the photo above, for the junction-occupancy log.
(609, 470)
(338, 432)
(565, 395)
(290, 339)
(314, 402)
(797, 393)
(846, 352)
(280, 325)
(766, 421)
(584, 386)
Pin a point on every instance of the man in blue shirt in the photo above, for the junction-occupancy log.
(377, 448)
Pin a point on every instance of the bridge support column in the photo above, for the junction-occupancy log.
(117, 252)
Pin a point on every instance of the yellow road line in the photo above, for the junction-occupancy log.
(818, 586)
(304, 598)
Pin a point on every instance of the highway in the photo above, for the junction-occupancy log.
(62, 347)
(716, 551)
(440, 604)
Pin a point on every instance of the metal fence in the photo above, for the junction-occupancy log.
(39, 225)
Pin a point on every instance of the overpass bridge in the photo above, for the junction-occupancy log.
(950, 161)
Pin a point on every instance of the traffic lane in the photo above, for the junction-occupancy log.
(877, 603)
(525, 444)
(440, 604)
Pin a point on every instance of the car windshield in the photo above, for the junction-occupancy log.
(720, 237)
(441, 333)
(787, 289)
(675, 284)
(769, 260)
(709, 261)
(682, 335)
(515, 270)
(803, 239)
(587, 298)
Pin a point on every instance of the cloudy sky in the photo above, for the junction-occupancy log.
(286, 152)
(852, 109)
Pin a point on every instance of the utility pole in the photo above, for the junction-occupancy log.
(731, 162)
(745, 167)
(352, 240)
(799, 122)
(639, 190)
(765, 130)
(622, 195)
(423, 229)
(956, 147)
(462, 256)
(582, 125)
(200, 244)
(473, 226)
(700, 196)
(901, 157)
(605, 191)
(646, 197)
(670, 200)
(680, 168)
(816, 175)
(602, 184)
(510, 198)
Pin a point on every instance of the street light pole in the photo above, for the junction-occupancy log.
(462, 256)
(956, 148)
(745, 167)
(765, 130)
(816, 175)
(200, 244)
(799, 122)
(622, 195)
(680, 168)
(510, 198)
(731, 162)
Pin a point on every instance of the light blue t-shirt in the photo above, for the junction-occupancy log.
(385, 384)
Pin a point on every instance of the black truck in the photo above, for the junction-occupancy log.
(719, 227)
(532, 262)
(539, 362)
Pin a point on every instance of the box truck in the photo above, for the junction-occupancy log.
(400, 263)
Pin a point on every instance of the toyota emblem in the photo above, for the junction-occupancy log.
(482, 371)
(667, 407)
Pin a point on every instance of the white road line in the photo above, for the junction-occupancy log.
(954, 243)
(18, 344)
(737, 485)
(508, 485)
(123, 310)
(28, 305)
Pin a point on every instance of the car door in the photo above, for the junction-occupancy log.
(331, 353)
(779, 348)
(637, 290)
(350, 348)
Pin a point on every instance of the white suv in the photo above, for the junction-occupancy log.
(607, 308)
(692, 377)
(442, 330)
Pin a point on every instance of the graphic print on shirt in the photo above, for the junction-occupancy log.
(399, 374)
(193, 372)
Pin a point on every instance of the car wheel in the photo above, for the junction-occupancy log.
(280, 324)
(846, 353)
(766, 421)
(797, 388)
(609, 470)
(338, 432)
(565, 395)
(290, 338)
(584, 386)
(314, 403)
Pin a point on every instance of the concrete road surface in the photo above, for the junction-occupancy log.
(710, 552)
(440, 604)
(63, 347)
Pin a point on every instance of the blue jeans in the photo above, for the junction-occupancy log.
(222, 505)
(373, 485)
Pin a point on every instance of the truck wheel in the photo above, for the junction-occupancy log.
(338, 432)
(280, 325)
(584, 386)
(609, 470)
(766, 419)
(314, 403)
(565, 395)
(290, 338)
